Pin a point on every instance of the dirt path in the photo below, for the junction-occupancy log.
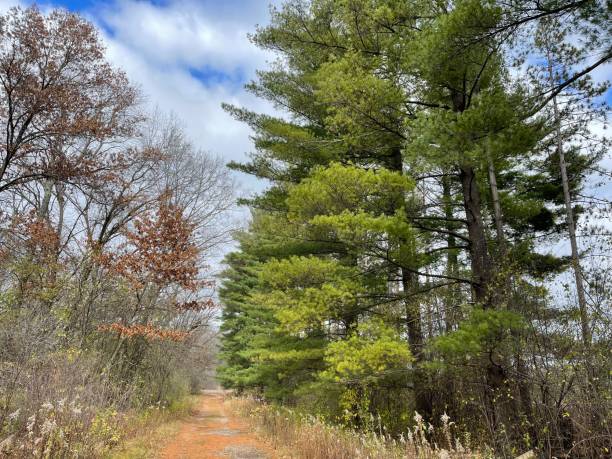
(211, 432)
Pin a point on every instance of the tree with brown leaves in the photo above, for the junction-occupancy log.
(159, 250)
(57, 89)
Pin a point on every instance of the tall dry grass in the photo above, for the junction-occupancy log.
(307, 437)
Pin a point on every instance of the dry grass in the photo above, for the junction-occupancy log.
(305, 437)
(55, 406)
(147, 432)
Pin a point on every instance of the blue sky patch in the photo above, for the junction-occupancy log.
(77, 5)
(210, 76)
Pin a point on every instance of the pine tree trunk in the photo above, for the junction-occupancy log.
(521, 368)
(499, 228)
(482, 266)
(482, 276)
(422, 393)
(451, 255)
(409, 284)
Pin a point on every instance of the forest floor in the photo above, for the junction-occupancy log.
(213, 432)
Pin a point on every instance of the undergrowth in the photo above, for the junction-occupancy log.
(144, 432)
(308, 437)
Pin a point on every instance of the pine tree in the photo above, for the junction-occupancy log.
(415, 171)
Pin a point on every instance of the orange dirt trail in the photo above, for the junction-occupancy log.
(211, 432)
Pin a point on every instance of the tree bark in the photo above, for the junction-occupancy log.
(451, 255)
(482, 275)
(499, 228)
(571, 227)
(482, 266)
(422, 393)
(524, 393)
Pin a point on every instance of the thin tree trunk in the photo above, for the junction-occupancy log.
(482, 276)
(422, 393)
(451, 256)
(482, 266)
(499, 228)
(409, 284)
(44, 209)
(571, 227)
(521, 368)
(413, 316)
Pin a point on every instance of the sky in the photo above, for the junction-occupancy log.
(187, 57)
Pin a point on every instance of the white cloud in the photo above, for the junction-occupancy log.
(157, 46)
(187, 34)
(6, 4)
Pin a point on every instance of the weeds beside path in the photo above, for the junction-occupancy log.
(299, 436)
(143, 433)
(242, 428)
